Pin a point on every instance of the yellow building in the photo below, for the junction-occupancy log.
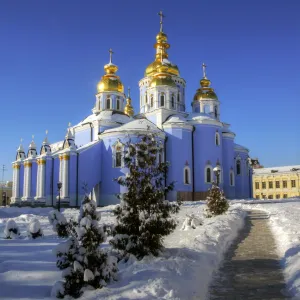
(5, 193)
(276, 182)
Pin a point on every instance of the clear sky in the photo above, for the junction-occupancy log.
(52, 55)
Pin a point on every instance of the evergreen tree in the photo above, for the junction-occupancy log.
(216, 201)
(81, 259)
(59, 223)
(143, 216)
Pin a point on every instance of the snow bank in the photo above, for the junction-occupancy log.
(284, 221)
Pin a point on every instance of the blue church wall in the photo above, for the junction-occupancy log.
(83, 137)
(242, 180)
(33, 179)
(89, 168)
(179, 155)
(48, 181)
(73, 179)
(228, 163)
(206, 150)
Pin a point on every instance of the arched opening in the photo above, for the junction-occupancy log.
(151, 101)
(208, 174)
(231, 178)
(118, 157)
(217, 139)
(162, 100)
(108, 103)
(146, 99)
(238, 167)
(173, 102)
(216, 112)
(186, 175)
(118, 104)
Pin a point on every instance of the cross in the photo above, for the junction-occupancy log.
(32, 137)
(161, 20)
(110, 55)
(46, 132)
(204, 70)
(128, 92)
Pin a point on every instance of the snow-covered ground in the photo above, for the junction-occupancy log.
(183, 271)
(285, 224)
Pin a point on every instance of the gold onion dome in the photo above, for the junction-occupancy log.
(161, 56)
(110, 82)
(128, 110)
(205, 92)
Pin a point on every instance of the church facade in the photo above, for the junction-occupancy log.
(194, 143)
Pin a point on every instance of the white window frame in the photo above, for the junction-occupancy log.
(115, 147)
(188, 169)
(211, 174)
(219, 140)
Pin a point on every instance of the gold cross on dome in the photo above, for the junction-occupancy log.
(161, 20)
(204, 70)
(110, 55)
(128, 92)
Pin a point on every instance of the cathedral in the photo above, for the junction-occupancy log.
(198, 145)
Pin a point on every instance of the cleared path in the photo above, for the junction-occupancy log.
(251, 268)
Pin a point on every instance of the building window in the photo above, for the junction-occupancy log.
(257, 185)
(277, 183)
(293, 183)
(284, 184)
(146, 99)
(151, 101)
(278, 196)
(270, 184)
(217, 139)
(263, 185)
(284, 196)
(118, 156)
(118, 104)
(216, 112)
(162, 100)
(173, 102)
(178, 98)
(108, 103)
(270, 197)
(208, 174)
(187, 175)
(257, 197)
(231, 178)
(238, 167)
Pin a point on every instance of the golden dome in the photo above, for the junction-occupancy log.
(128, 110)
(153, 68)
(163, 79)
(161, 37)
(110, 82)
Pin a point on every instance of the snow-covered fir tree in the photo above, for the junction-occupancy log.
(59, 223)
(216, 201)
(143, 216)
(11, 230)
(34, 229)
(82, 260)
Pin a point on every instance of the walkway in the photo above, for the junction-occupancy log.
(251, 268)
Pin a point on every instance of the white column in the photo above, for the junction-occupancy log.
(42, 180)
(27, 180)
(17, 181)
(38, 180)
(66, 177)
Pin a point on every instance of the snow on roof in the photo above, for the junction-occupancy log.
(136, 125)
(88, 145)
(56, 146)
(111, 115)
(176, 119)
(240, 147)
(199, 117)
(283, 169)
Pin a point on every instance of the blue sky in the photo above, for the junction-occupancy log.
(52, 55)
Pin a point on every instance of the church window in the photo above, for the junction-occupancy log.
(173, 102)
(178, 98)
(257, 196)
(146, 99)
(186, 174)
(108, 103)
(217, 139)
(162, 100)
(270, 197)
(238, 167)
(231, 178)
(216, 112)
(284, 195)
(118, 156)
(118, 104)
(208, 174)
(151, 101)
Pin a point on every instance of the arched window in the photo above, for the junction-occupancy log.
(118, 104)
(173, 102)
(231, 178)
(162, 100)
(186, 175)
(238, 167)
(217, 139)
(146, 99)
(118, 156)
(151, 101)
(208, 174)
(178, 97)
(108, 103)
(216, 112)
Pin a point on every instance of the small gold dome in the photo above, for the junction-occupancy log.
(110, 83)
(154, 66)
(162, 80)
(204, 82)
(161, 37)
(203, 94)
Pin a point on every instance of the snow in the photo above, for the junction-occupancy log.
(284, 222)
(283, 169)
(182, 271)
